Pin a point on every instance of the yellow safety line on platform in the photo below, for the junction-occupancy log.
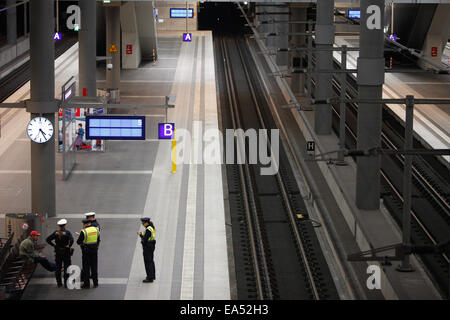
(174, 152)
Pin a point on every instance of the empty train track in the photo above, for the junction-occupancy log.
(16, 79)
(277, 254)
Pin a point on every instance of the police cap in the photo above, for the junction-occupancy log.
(62, 222)
(145, 219)
(86, 221)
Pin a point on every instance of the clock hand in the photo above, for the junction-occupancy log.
(42, 132)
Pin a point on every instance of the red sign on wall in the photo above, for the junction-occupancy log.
(434, 52)
(129, 49)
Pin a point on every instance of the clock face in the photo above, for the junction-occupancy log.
(40, 129)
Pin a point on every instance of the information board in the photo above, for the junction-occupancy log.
(354, 14)
(181, 13)
(115, 127)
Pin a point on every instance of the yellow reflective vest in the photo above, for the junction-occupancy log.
(91, 235)
(152, 231)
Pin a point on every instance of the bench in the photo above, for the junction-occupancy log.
(14, 273)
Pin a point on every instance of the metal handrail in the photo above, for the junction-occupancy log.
(5, 250)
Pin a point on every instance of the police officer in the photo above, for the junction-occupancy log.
(63, 242)
(148, 245)
(91, 216)
(89, 240)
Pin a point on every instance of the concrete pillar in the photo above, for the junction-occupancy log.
(11, 22)
(42, 54)
(370, 86)
(87, 37)
(297, 79)
(324, 39)
(113, 38)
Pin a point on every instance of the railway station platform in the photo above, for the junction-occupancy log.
(431, 123)
(133, 179)
(298, 224)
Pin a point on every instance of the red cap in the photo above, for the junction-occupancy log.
(34, 233)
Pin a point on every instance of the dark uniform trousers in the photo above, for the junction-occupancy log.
(149, 249)
(90, 263)
(62, 256)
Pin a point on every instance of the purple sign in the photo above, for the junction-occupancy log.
(57, 36)
(166, 130)
(393, 37)
(187, 37)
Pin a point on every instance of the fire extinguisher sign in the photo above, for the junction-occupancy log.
(129, 49)
(434, 51)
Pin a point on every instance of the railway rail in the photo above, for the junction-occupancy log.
(430, 204)
(16, 79)
(278, 250)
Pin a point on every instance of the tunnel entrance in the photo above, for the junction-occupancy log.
(223, 18)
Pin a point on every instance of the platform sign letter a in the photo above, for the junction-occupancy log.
(187, 37)
(373, 17)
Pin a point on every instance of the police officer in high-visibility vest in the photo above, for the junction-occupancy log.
(89, 240)
(148, 245)
(91, 216)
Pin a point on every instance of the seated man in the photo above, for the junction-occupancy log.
(27, 250)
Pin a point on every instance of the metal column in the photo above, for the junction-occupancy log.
(271, 41)
(282, 39)
(42, 52)
(11, 22)
(324, 39)
(407, 183)
(262, 28)
(87, 48)
(295, 57)
(370, 86)
(25, 18)
(342, 108)
(112, 14)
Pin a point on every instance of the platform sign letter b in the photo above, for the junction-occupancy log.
(166, 130)
(373, 17)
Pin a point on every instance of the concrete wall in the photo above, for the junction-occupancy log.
(146, 26)
(130, 37)
(177, 24)
(437, 36)
(9, 52)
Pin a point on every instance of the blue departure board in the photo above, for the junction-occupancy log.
(115, 127)
(354, 14)
(181, 13)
